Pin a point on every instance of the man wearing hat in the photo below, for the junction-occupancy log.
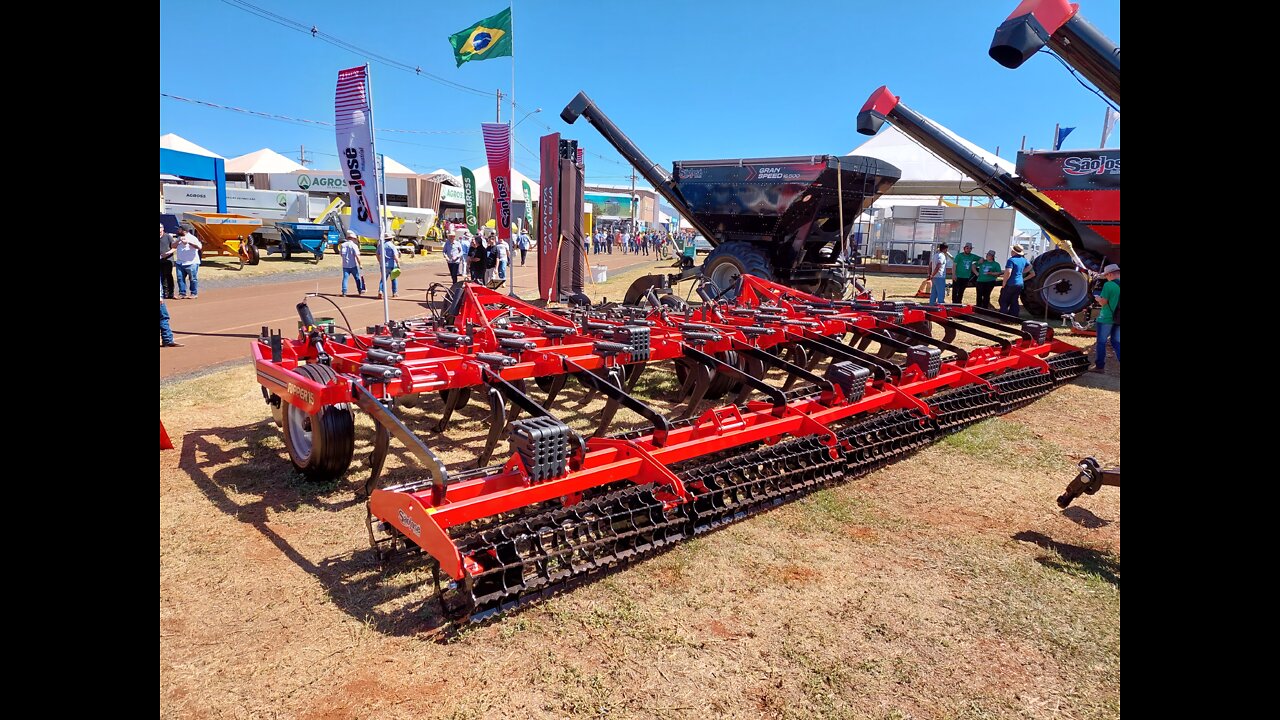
(452, 253)
(350, 252)
(391, 264)
(966, 266)
(1016, 271)
(1109, 318)
(938, 275)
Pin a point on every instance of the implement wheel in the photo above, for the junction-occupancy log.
(320, 445)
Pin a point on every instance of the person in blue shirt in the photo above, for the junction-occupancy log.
(390, 261)
(1016, 271)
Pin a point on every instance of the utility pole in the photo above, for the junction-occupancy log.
(634, 202)
(302, 155)
(499, 116)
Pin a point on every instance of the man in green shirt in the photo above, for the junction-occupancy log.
(965, 263)
(1108, 318)
(987, 276)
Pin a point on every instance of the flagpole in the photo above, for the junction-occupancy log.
(511, 166)
(377, 242)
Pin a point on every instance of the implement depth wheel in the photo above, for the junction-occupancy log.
(320, 445)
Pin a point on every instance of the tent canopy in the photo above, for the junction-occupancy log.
(395, 169)
(265, 160)
(923, 173)
(442, 175)
(181, 144)
(484, 184)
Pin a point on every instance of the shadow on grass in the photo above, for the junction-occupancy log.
(355, 581)
(1073, 559)
(1084, 518)
(249, 479)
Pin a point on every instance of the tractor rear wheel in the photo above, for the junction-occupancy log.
(730, 260)
(1058, 287)
(321, 445)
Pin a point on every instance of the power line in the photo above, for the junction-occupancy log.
(417, 70)
(321, 123)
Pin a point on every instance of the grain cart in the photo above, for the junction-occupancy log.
(774, 218)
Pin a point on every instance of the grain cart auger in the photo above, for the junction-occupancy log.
(775, 218)
(1059, 24)
(1087, 183)
(813, 406)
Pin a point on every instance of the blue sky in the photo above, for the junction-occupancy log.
(685, 80)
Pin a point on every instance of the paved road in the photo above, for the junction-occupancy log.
(216, 329)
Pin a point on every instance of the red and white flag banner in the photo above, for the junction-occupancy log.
(497, 146)
(355, 150)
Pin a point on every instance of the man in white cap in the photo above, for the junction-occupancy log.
(452, 253)
(350, 252)
(1109, 318)
(390, 261)
(938, 275)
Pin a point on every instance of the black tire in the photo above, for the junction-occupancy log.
(731, 259)
(320, 446)
(254, 257)
(722, 384)
(1058, 286)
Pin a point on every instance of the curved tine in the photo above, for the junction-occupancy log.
(381, 442)
(611, 407)
(633, 375)
(497, 424)
(557, 384)
(701, 377)
(452, 402)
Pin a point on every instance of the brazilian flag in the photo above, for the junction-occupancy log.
(489, 38)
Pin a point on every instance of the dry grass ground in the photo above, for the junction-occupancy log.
(948, 585)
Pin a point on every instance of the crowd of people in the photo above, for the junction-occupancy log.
(985, 273)
(645, 242)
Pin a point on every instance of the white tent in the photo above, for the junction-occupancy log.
(395, 169)
(517, 179)
(923, 173)
(181, 144)
(442, 175)
(265, 160)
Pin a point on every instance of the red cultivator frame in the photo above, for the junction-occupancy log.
(854, 385)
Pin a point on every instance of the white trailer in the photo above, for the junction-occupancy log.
(267, 205)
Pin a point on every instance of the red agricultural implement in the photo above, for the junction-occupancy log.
(823, 391)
